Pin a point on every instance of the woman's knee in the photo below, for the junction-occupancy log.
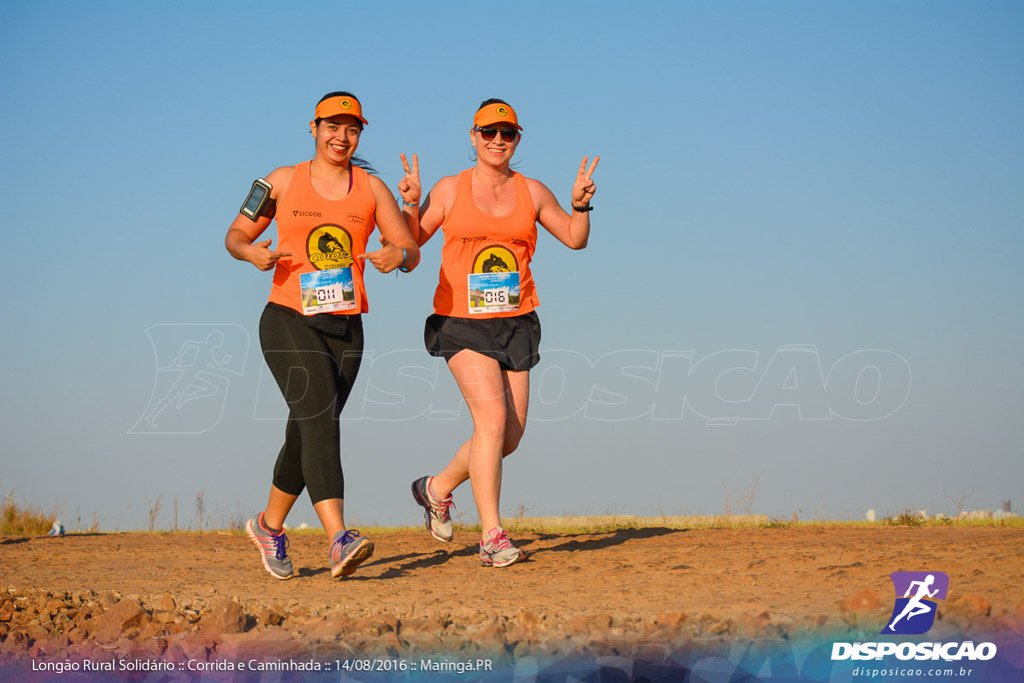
(490, 430)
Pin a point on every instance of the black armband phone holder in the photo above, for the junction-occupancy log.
(259, 203)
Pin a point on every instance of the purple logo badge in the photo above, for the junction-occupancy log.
(917, 596)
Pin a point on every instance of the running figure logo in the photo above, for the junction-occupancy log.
(917, 594)
(194, 366)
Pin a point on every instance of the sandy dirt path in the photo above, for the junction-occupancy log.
(204, 596)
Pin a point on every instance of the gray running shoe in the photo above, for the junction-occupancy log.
(272, 547)
(498, 551)
(348, 551)
(437, 515)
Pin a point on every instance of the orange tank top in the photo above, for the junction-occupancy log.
(322, 274)
(485, 261)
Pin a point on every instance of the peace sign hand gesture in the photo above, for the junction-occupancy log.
(409, 186)
(584, 188)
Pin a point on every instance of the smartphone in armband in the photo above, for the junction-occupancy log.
(259, 203)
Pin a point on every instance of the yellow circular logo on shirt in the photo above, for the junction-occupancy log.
(329, 246)
(495, 259)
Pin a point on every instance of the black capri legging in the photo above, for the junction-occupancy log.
(315, 370)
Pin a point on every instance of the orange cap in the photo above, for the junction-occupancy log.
(344, 104)
(496, 113)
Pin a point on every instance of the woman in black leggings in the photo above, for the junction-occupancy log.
(311, 330)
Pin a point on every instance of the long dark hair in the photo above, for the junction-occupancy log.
(355, 160)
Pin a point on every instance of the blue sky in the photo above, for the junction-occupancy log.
(803, 273)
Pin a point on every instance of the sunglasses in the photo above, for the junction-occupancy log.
(488, 133)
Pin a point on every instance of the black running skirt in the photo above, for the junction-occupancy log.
(513, 342)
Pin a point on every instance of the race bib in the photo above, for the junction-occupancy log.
(494, 292)
(326, 291)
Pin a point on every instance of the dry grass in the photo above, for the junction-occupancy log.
(603, 524)
(28, 520)
(24, 520)
(608, 523)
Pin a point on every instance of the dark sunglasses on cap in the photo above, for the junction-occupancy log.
(488, 133)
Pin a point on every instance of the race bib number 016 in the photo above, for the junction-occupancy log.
(326, 291)
(493, 292)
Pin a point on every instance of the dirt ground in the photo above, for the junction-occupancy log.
(206, 596)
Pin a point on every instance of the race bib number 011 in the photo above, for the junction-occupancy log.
(326, 291)
(493, 292)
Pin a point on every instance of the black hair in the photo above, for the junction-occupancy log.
(493, 100)
(357, 161)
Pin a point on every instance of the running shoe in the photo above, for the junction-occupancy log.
(272, 547)
(498, 550)
(348, 551)
(437, 515)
